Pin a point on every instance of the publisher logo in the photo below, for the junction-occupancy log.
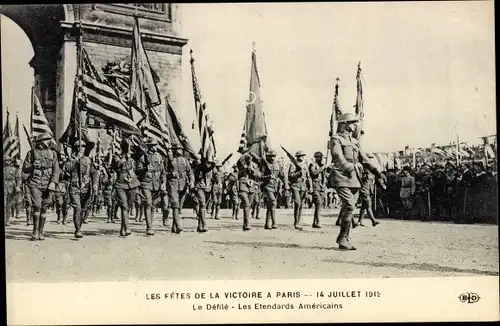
(469, 297)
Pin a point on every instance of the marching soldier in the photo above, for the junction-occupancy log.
(62, 196)
(81, 183)
(126, 184)
(42, 168)
(108, 191)
(407, 191)
(20, 192)
(317, 173)
(201, 171)
(257, 198)
(151, 172)
(217, 189)
(247, 174)
(180, 180)
(365, 195)
(345, 177)
(299, 180)
(271, 173)
(233, 188)
(11, 186)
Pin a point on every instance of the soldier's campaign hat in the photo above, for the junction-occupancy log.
(40, 137)
(271, 153)
(348, 117)
(300, 153)
(318, 154)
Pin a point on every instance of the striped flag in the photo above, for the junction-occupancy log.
(116, 142)
(143, 89)
(154, 127)
(358, 107)
(16, 152)
(39, 122)
(9, 141)
(208, 150)
(243, 139)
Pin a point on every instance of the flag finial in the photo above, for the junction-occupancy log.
(253, 46)
(191, 54)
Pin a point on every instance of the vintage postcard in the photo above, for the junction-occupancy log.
(249, 162)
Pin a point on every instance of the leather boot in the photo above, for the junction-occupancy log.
(216, 214)
(77, 221)
(273, 220)
(165, 216)
(201, 220)
(343, 238)
(246, 212)
(29, 217)
(36, 226)
(176, 223)
(316, 218)
(125, 218)
(64, 218)
(236, 212)
(149, 220)
(268, 219)
(7, 217)
(41, 236)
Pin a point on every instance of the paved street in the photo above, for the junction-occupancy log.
(395, 248)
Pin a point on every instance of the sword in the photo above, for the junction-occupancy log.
(294, 161)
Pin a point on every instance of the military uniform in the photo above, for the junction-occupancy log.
(247, 174)
(270, 174)
(299, 181)
(346, 176)
(217, 190)
(11, 186)
(19, 192)
(257, 198)
(365, 194)
(233, 189)
(318, 175)
(42, 168)
(126, 185)
(62, 196)
(202, 176)
(180, 179)
(151, 172)
(407, 190)
(108, 191)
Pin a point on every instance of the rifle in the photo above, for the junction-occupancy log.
(227, 159)
(294, 161)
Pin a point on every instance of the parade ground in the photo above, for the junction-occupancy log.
(394, 248)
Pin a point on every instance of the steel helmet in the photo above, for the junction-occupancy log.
(348, 117)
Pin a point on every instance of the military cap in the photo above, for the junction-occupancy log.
(271, 153)
(348, 117)
(41, 137)
(318, 154)
(300, 153)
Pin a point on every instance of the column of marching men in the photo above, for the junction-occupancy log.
(140, 177)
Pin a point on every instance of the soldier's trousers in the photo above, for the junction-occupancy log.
(348, 198)
(318, 201)
(40, 200)
(174, 200)
(151, 199)
(9, 202)
(28, 207)
(366, 206)
(236, 205)
(271, 203)
(202, 208)
(62, 206)
(216, 202)
(79, 201)
(246, 200)
(19, 202)
(298, 201)
(256, 204)
(125, 200)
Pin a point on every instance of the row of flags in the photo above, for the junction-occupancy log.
(11, 140)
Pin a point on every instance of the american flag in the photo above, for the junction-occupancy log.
(154, 127)
(208, 150)
(39, 122)
(10, 143)
(243, 139)
(144, 92)
(359, 110)
(17, 149)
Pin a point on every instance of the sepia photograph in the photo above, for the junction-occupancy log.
(284, 157)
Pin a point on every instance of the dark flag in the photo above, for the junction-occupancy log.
(9, 140)
(359, 110)
(255, 130)
(17, 152)
(176, 133)
(336, 112)
(144, 92)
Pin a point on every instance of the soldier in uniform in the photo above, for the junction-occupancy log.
(270, 174)
(11, 186)
(317, 173)
(299, 180)
(257, 198)
(20, 192)
(217, 189)
(233, 188)
(42, 168)
(81, 182)
(345, 177)
(151, 172)
(202, 175)
(126, 184)
(62, 195)
(180, 180)
(247, 174)
(365, 195)
(407, 191)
